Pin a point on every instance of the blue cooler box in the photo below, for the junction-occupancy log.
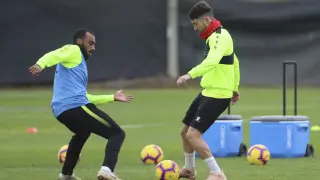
(284, 136)
(225, 136)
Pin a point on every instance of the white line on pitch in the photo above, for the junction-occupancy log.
(135, 126)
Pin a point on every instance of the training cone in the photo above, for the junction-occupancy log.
(32, 130)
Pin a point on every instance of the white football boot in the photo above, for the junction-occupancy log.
(68, 177)
(107, 175)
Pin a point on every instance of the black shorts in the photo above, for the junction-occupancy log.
(89, 119)
(204, 111)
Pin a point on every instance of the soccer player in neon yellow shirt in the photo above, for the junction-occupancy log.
(76, 109)
(220, 81)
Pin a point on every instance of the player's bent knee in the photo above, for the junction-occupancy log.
(190, 135)
(193, 133)
(184, 131)
(81, 137)
(183, 134)
(121, 135)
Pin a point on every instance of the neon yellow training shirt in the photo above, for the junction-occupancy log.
(70, 57)
(220, 69)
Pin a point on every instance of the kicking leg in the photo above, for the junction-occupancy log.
(113, 148)
(194, 136)
(209, 110)
(188, 170)
(74, 149)
(188, 149)
(104, 126)
(111, 156)
(70, 120)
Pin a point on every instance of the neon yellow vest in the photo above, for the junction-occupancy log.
(220, 68)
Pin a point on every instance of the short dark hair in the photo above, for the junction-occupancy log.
(81, 33)
(199, 9)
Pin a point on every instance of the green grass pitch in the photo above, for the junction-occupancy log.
(26, 156)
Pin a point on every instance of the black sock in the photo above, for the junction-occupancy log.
(112, 150)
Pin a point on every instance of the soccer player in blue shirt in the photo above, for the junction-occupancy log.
(76, 109)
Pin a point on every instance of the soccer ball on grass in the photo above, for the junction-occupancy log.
(258, 155)
(167, 170)
(151, 154)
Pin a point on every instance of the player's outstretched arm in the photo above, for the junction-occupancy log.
(103, 99)
(217, 50)
(67, 54)
(214, 56)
